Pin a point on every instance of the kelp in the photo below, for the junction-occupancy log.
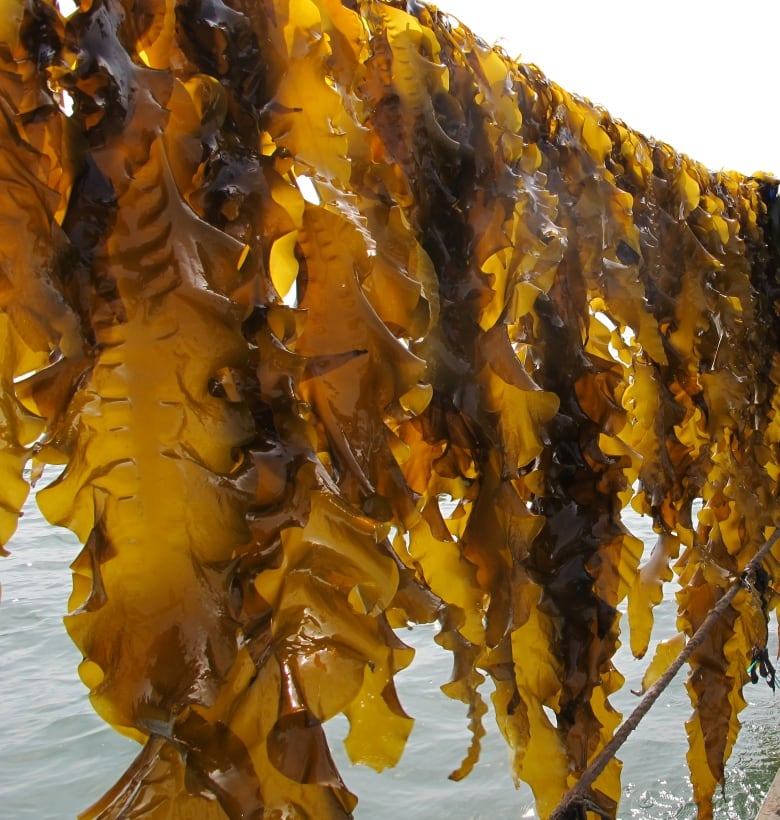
(335, 319)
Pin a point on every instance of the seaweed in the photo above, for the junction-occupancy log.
(335, 319)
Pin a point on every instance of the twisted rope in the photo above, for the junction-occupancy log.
(577, 795)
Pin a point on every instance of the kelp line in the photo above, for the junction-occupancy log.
(288, 277)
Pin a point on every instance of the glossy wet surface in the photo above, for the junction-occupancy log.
(53, 738)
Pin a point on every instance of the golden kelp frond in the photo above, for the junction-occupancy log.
(38, 329)
(340, 320)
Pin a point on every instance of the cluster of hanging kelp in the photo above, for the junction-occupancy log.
(293, 273)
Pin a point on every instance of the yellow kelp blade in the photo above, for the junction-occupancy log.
(38, 327)
(665, 653)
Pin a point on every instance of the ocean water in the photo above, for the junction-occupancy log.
(57, 756)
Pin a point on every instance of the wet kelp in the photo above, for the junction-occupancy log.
(336, 320)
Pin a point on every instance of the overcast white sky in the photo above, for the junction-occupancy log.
(702, 75)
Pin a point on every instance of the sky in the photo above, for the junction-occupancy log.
(702, 75)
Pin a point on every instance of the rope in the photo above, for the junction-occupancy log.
(576, 796)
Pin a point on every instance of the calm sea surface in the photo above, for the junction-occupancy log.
(56, 756)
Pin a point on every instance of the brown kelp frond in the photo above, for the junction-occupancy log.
(339, 320)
